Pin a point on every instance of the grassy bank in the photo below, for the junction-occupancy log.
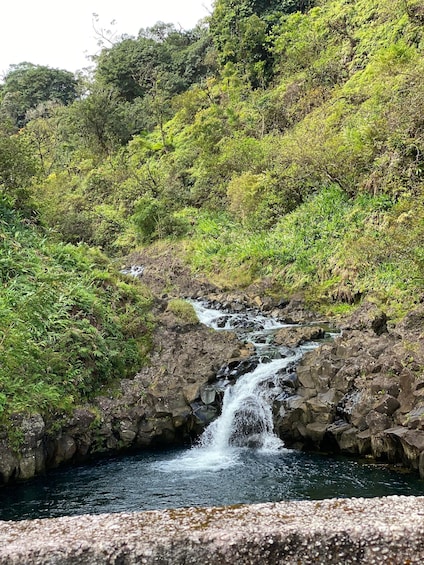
(333, 249)
(69, 322)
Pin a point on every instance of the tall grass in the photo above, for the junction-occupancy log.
(333, 248)
(68, 322)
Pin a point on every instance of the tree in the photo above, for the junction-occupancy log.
(240, 30)
(17, 168)
(101, 121)
(133, 65)
(27, 85)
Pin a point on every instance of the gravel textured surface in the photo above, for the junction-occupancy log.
(374, 530)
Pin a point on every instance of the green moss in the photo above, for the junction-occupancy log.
(183, 310)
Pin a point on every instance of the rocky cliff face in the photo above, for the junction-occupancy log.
(363, 393)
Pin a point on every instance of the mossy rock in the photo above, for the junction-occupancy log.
(183, 310)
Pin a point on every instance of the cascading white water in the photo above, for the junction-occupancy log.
(246, 420)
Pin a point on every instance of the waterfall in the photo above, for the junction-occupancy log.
(246, 419)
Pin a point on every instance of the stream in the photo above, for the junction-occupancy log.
(238, 458)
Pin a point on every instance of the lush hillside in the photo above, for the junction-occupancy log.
(69, 323)
(280, 139)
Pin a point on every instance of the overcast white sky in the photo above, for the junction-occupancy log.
(61, 35)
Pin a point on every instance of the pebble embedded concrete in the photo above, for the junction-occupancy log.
(348, 531)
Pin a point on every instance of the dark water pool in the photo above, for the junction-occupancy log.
(172, 479)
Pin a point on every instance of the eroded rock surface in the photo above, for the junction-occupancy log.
(363, 393)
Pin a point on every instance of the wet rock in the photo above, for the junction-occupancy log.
(337, 428)
(28, 456)
(237, 367)
(8, 463)
(163, 430)
(208, 394)
(65, 450)
(412, 442)
(364, 442)
(343, 435)
(293, 337)
(204, 415)
(289, 380)
(421, 465)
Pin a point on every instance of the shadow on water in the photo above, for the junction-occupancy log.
(177, 478)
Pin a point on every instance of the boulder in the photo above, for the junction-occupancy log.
(385, 384)
(293, 337)
(377, 422)
(315, 432)
(65, 449)
(8, 463)
(368, 317)
(386, 404)
(348, 442)
(127, 430)
(412, 442)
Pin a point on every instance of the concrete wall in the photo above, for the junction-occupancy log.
(338, 531)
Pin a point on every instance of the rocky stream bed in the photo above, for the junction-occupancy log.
(362, 393)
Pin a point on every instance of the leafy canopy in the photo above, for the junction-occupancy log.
(27, 85)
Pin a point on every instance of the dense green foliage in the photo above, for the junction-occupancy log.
(284, 140)
(68, 322)
(242, 33)
(335, 249)
(161, 57)
(27, 86)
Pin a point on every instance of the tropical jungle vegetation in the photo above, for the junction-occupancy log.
(277, 139)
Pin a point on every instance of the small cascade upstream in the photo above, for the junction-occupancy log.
(246, 419)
